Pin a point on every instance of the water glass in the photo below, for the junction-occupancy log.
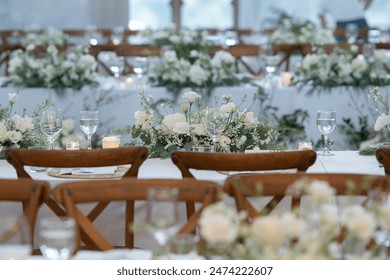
(57, 237)
(89, 122)
(51, 124)
(326, 123)
(203, 148)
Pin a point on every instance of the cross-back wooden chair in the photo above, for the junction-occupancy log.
(28, 192)
(383, 156)
(301, 160)
(20, 158)
(242, 187)
(74, 194)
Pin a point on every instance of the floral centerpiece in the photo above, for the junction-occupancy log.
(181, 130)
(52, 69)
(47, 37)
(199, 71)
(342, 67)
(290, 30)
(18, 130)
(323, 232)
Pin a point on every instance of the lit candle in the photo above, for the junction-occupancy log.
(286, 78)
(72, 145)
(112, 141)
(305, 146)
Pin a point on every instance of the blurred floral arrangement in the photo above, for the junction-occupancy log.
(52, 68)
(323, 232)
(181, 40)
(47, 37)
(200, 71)
(383, 120)
(290, 30)
(68, 132)
(342, 67)
(18, 130)
(164, 134)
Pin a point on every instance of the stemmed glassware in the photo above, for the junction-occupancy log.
(89, 123)
(352, 32)
(326, 123)
(213, 124)
(57, 237)
(51, 124)
(163, 215)
(270, 60)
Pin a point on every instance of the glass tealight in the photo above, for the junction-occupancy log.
(203, 148)
(111, 141)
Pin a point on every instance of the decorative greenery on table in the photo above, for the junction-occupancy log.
(51, 68)
(342, 67)
(164, 134)
(19, 130)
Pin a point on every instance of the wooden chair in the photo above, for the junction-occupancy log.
(383, 156)
(28, 192)
(241, 187)
(301, 160)
(130, 190)
(19, 158)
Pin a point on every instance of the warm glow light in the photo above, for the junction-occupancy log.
(109, 142)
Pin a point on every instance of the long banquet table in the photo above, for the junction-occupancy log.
(110, 221)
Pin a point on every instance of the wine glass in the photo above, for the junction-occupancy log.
(351, 32)
(270, 60)
(162, 215)
(57, 237)
(51, 124)
(15, 238)
(326, 123)
(213, 124)
(89, 123)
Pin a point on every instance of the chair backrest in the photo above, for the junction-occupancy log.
(242, 187)
(301, 160)
(130, 190)
(383, 156)
(20, 158)
(29, 192)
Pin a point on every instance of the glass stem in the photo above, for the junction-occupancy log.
(326, 143)
(89, 142)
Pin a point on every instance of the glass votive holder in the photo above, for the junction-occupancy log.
(72, 145)
(203, 148)
(111, 141)
(182, 246)
(305, 145)
(35, 169)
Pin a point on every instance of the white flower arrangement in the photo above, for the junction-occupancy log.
(198, 71)
(18, 130)
(383, 120)
(342, 67)
(51, 36)
(52, 69)
(181, 130)
(295, 31)
(325, 232)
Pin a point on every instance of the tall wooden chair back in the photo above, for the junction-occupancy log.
(26, 191)
(300, 160)
(20, 158)
(383, 156)
(242, 187)
(74, 194)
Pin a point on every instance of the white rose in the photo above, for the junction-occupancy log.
(191, 96)
(198, 129)
(224, 142)
(22, 124)
(228, 108)
(3, 132)
(170, 120)
(143, 119)
(267, 231)
(13, 136)
(12, 97)
(320, 191)
(181, 128)
(381, 122)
